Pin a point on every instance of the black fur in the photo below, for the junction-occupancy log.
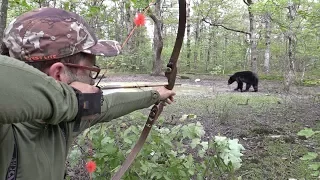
(248, 77)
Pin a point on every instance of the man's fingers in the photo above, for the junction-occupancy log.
(169, 101)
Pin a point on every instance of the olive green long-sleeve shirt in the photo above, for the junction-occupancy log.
(41, 111)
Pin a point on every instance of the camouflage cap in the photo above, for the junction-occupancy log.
(50, 33)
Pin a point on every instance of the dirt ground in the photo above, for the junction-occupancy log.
(268, 132)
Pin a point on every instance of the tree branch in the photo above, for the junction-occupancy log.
(227, 28)
(246, 2)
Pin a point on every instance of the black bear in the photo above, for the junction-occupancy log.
(248, 77)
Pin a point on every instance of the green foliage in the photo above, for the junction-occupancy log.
(256, 101)
(311, 157)
(307, 132)
(229, 151)
(169, 153)
(311, 82)
(277, 160)
(270, 77)
(217, 50)
(216, 70)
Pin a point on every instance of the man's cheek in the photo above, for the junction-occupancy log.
(86, 79)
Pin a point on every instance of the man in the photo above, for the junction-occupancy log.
(63, 46)
(51, 98)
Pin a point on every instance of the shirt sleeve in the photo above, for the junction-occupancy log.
(28, 94)
(122, 103)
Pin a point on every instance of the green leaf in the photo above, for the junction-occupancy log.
(166, 177)
(307, 132)
(192, 116)
(191, 171)
(158, 175)
(74, 157)
(205, 145)
(127, 140)
(315, 166)
(182, 173)
(107, 140)
(187, 116)
(315, 174)
(143, 167)
(309, 156)
(195, 142)
(111, 149)
(127, 131)
(173, 153)
(183, 118)
(200, 176)
(201, 152)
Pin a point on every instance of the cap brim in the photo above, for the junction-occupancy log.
(106, 48)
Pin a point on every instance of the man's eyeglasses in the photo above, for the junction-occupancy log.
(94, 70)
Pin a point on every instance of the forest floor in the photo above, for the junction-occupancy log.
(265, 122)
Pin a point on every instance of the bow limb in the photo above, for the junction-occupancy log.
(156, 110)
(171, 71)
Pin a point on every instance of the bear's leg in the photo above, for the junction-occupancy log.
(240, 85)
(255, 87)
(236, 89)
(247, 87)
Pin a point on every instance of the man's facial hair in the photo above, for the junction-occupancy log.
(79, 78)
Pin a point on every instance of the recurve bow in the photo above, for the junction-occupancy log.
(156, 110)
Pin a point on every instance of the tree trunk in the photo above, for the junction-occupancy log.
(289, 77)
(200, 45)
(209, 50)
(196, 42)
(129, 25)
(225, 53)
(157, 41)
(188, 36)
(121, 25)
(3, 18)
(253, 37)
(215, 58)
(43, 3)
(267, 38)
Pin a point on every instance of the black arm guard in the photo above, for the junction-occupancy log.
(88, 104)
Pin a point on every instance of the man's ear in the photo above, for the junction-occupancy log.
(57, 71)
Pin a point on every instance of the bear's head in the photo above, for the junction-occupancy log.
(231, 80)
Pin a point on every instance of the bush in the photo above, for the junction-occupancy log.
(169, 153)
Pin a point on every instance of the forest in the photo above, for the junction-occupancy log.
(211, 132)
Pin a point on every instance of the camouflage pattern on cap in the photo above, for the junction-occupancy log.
(50, 33)
(112, 48)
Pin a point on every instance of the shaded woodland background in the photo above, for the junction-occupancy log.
(278, 39)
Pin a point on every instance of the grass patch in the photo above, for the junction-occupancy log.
(227, 107)
(242, 98)
(311, 82)
(280, 160)
(313, 74)
(276, 77)
(247, 99)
